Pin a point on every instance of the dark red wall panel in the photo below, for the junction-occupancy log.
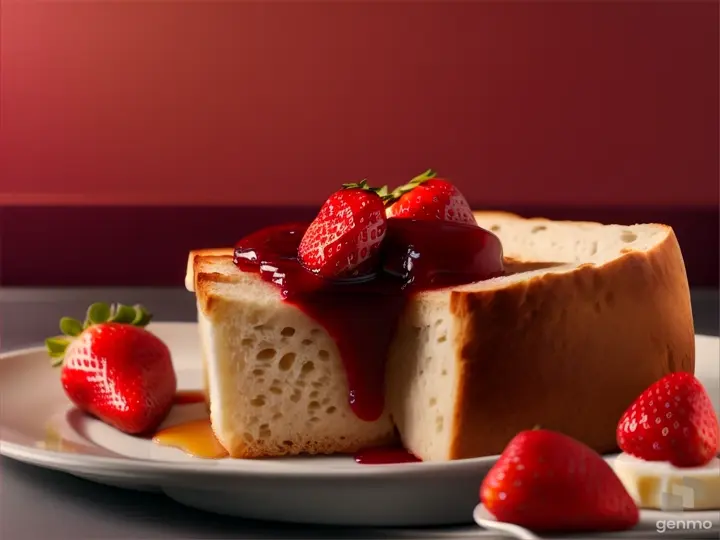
(273, 103)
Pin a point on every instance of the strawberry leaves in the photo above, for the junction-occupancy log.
(382, 192)
(97, 313)
(56, 347)
(388, 197)
(406, 188)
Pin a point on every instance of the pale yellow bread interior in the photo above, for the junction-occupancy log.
(589, 316)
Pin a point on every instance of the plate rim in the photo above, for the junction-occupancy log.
(124, 466)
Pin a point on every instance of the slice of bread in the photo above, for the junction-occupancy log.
(588, 317)
(591, 315)
(274, 378)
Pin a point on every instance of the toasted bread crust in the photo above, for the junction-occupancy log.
(598, 335)
(195, 259)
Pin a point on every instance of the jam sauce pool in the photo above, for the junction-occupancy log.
(385, 456)
(361, 314)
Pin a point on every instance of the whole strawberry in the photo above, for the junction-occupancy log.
(344, 239)
(673, 420)
(429, 198)
(114, 369)
(547, 481)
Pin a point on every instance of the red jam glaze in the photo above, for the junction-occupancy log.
(385, 456)
(361, 314)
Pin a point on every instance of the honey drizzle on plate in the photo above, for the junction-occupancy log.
(195, 438)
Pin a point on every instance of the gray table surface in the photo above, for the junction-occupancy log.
(37, 504)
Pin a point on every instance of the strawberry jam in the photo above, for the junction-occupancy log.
(384, 456)
(361, 314)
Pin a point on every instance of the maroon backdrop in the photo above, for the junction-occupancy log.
(276, 103)
(590, 110)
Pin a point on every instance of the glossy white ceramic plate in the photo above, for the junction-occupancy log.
(38, 425)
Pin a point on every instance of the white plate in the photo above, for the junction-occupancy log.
(35, 415)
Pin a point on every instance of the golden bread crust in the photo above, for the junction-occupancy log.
(551, 349)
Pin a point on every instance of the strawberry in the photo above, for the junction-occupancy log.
(343, 241)
(672, 420)
(114, 369)
(429, 198)
(547, 481)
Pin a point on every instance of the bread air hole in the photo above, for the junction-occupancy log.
(628, 236)
(324, 355)
(258, 401)
(538, 228)
(307, 367)
(288, 331)
(266, 354)
(439, 421)
(287, 361)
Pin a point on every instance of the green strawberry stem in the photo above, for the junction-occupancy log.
(382, 192)
(97, 313)
(412, 184)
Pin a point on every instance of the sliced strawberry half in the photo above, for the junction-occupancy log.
(343, 241)
(427, 197)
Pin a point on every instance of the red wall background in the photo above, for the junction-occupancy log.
(278, 102)
(234, 114)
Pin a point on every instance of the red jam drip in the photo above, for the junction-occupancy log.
(385, 456)
(361, 314)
